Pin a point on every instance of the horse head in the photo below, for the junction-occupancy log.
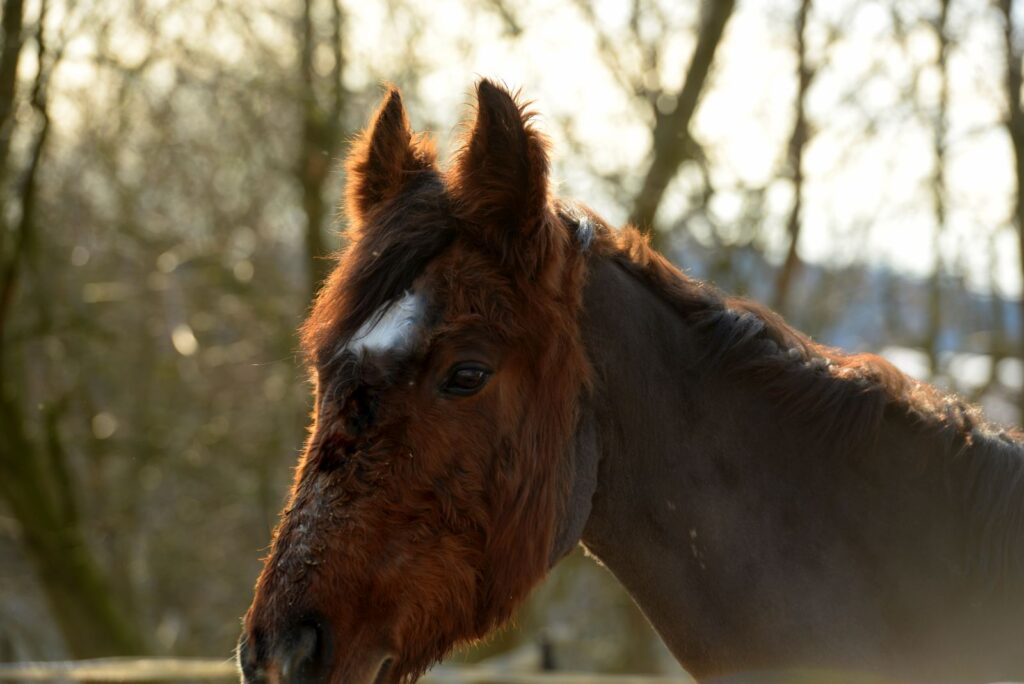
(435, 487)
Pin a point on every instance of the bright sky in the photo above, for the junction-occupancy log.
(867, 195)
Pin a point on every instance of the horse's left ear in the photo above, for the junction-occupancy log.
(384, 158)
(500, 176)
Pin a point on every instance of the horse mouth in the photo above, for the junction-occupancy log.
(383, 672)
(298, 669)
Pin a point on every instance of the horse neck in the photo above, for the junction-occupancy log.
(747, 546)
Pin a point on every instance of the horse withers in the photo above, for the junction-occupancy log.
(500, 376)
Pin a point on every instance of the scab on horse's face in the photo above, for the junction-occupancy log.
(447, 365)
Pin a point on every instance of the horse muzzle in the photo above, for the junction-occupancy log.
(305, 654)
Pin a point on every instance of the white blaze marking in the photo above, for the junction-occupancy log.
(391, 327)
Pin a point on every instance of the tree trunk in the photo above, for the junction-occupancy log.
(321, 126)
(9, 59)
(34, 483)
(795, 158)
(671, 138)
(1015, 128)
(34, 479)
(933, 329)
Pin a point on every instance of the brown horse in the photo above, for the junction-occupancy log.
(501, 376)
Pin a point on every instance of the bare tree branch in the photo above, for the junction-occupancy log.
(1014, 54)
(508, 17)
(940, 127)
(795, 158)
(9, 58)
(610, 51)
(27, 186)
(671, 129)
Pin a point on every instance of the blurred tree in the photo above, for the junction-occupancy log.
(34, 477)
(10, 56)
(939, 191)
(998, 347)
(1014, 121)
(795, 160)
(672, 143)
(323, 97)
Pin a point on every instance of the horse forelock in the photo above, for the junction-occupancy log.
(379, 266)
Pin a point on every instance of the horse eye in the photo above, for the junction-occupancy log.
(466, 379)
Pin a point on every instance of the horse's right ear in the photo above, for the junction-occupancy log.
(500, 176)
(383, 158)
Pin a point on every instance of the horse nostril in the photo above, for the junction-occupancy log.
(298, 661)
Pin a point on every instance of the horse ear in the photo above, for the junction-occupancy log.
(383, 158)
(500, 176)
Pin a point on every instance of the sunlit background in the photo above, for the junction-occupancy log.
(169, 172)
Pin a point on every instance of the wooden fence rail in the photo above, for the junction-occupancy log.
(120, 669)
(196, 669)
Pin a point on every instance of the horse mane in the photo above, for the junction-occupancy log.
(846, 397)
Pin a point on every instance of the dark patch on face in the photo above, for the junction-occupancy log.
(354, 384)
(360, 410)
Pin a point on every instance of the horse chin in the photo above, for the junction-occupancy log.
(376, 669)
